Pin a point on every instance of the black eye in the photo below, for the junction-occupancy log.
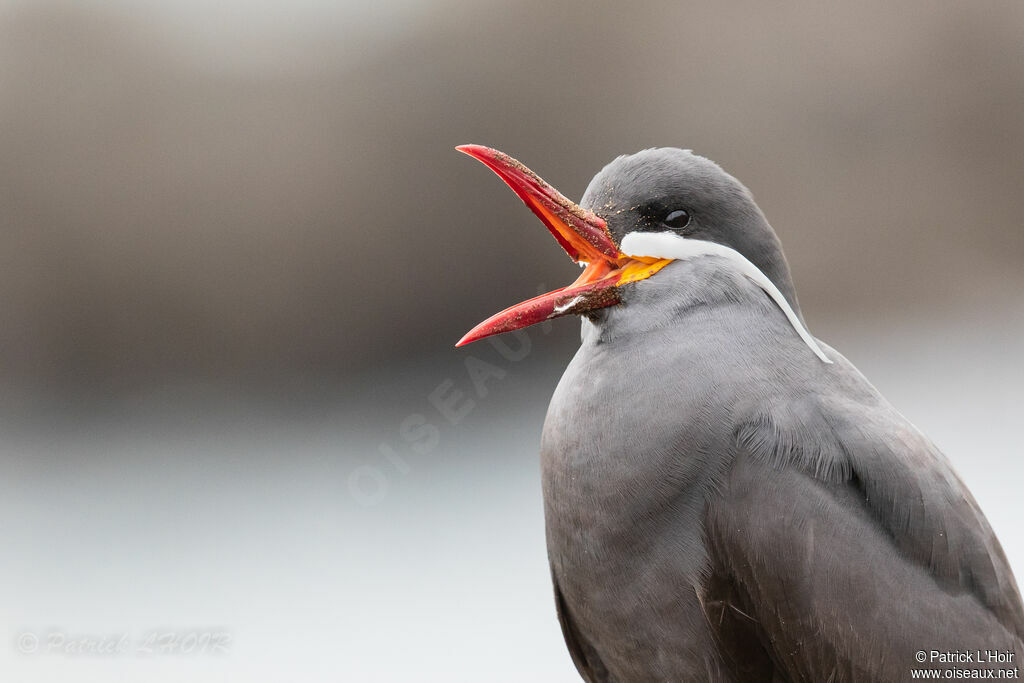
(677, 219)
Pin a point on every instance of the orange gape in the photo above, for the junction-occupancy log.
(581, 233)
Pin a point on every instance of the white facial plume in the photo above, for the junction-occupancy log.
(671, 245)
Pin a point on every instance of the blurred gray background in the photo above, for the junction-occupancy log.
(237, 248)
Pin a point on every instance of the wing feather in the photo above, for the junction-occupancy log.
(856, 545)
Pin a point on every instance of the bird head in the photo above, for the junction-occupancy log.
(640, 213)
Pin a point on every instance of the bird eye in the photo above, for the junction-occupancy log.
(677, 219)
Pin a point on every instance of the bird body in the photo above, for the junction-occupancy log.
(772, 517)
(727, 498)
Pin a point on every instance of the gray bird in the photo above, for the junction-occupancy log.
(726, 497)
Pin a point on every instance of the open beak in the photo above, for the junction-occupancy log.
(584, 236)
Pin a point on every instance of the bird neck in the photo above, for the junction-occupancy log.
(705, 275)
(776, 269)
(762, 247)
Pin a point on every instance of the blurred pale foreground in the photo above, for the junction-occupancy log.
(245, 520)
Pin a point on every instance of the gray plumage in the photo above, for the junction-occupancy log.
(723, 506)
